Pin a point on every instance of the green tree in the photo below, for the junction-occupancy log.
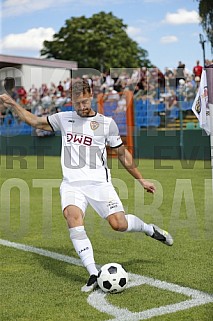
(100, 42)
(206, 14)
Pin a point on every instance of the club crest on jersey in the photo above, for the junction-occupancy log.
(94, 125)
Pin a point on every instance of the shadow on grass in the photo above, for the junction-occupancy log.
(140, 262)
(61, 269)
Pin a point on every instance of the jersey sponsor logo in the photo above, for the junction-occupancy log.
(79, 139)
(71, 121)
(94, 125)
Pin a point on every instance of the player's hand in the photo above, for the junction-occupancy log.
(148, 186)
(6, 100)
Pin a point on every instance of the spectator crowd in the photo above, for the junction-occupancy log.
(146, 84)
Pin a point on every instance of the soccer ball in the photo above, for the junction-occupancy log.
(112, 278)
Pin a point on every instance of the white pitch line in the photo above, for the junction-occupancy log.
(39, 251)
(97, 299)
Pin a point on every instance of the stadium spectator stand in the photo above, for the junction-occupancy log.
(157, 102)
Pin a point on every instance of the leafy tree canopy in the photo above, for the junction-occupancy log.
(100, 42)
(206, 14)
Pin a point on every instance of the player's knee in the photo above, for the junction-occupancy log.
(117, 223)
(73, 216)
(67, 214)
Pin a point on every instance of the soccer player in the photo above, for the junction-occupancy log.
(86, 177)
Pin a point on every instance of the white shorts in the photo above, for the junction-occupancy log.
(101, 196)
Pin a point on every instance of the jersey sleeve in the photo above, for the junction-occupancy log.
(114, 138)
(54, 122)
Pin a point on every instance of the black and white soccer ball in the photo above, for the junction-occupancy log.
(112, 278)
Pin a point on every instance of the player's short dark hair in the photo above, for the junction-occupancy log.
(80, 86)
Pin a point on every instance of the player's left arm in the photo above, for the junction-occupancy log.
(128, 162)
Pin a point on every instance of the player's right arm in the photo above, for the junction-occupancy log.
(24, 115)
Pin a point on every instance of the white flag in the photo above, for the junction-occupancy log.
(200, 105)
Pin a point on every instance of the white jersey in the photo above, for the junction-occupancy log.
(84, 140)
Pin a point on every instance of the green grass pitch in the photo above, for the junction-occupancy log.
(38, 288)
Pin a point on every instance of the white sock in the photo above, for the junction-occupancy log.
(83, 248)
(135, 224)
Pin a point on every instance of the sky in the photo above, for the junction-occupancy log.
(168, 29)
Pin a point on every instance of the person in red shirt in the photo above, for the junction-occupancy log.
(60, 87)
(21, 93)
(197, 70)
